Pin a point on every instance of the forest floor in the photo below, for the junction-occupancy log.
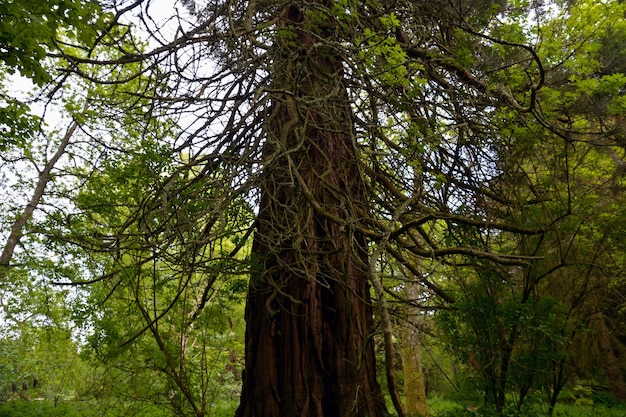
(440, 407)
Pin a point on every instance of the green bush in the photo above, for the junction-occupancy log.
(46, 408)
(604, 398)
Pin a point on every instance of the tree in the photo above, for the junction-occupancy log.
(319, 116)
(563, 183)
(309, 300)
(28, 35)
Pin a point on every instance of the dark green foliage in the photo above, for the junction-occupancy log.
(508, 343)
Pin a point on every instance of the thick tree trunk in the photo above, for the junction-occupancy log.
(611, 363)
(309, 351)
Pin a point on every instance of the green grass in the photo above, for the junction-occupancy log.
(439, 405)
(443, 407)
(573, 410)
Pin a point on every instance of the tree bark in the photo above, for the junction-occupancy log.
(414, 383)
(611, 363)
(309, 351)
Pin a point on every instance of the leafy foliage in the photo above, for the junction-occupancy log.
(29, 31)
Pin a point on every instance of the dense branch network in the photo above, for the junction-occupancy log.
(217, 86)
(367, 132)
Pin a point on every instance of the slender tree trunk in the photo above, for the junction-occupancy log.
(309, 351)
(44, 177)
(414, 383)
(503, 371)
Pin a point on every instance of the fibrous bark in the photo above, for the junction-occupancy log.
(309, 350)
